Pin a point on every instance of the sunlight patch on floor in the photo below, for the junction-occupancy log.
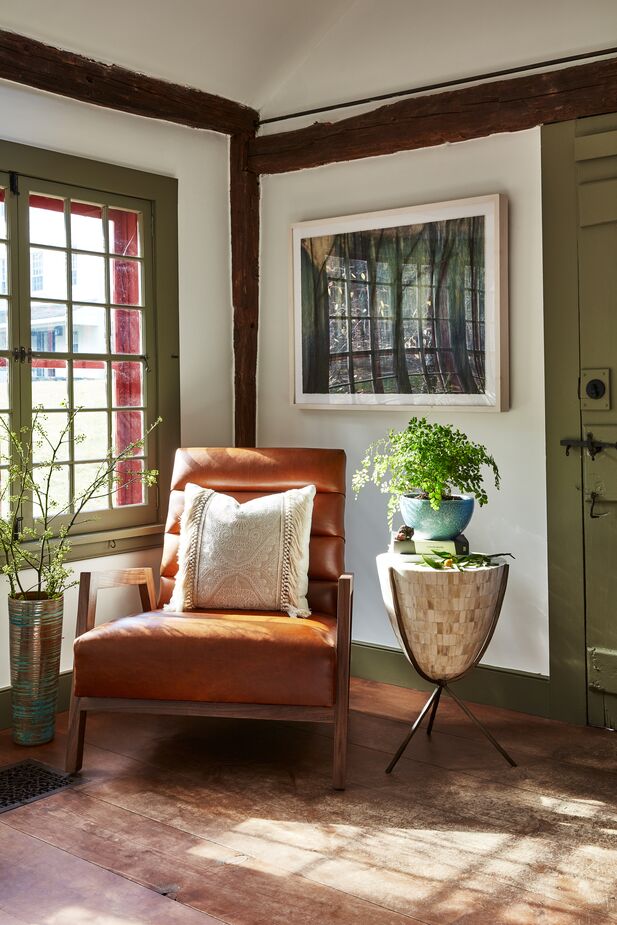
(578, 808)
(79, 915)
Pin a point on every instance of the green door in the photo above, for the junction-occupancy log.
(596, 174)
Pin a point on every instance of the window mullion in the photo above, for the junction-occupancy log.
(69, 346)
(149, 346)
(108, 366)
(11, 415)
(21, 401)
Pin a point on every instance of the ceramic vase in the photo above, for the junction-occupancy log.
(35, 633)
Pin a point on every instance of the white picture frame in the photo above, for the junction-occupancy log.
(417, 295)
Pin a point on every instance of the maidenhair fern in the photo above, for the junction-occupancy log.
(430, 459)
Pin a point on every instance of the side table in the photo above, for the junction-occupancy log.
(444, 620)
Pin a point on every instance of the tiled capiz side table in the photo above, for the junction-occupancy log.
(444, 620)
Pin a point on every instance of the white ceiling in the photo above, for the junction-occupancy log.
(241, 49)
(284, 55)
(380, 46)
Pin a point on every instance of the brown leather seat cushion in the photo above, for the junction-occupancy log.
(215, 656)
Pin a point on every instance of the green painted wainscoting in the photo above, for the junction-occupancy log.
(498, 687)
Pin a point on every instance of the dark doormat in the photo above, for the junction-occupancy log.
(27, 781)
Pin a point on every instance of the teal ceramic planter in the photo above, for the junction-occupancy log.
(444, 524)
(35, 633)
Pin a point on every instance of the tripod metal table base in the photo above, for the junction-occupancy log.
(433, 701)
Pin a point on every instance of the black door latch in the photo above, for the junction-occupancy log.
(594, 496)
(592, 446)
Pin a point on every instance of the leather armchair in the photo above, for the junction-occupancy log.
(219, 662)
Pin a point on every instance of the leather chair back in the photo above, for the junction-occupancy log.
(250, 473)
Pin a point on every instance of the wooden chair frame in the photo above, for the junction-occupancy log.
(89, 586)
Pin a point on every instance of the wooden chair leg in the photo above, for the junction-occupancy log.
(343, 659)
(341, 718)
(75, 741)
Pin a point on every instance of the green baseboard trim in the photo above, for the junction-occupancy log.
(497, 687)
(64, 697)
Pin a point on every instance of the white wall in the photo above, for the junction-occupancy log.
(515, 518)
(199, 160)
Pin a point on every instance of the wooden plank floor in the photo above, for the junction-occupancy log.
(196, 821)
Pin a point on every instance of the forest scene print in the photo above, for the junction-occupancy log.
(395, 310)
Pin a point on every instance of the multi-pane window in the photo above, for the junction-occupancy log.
(77, 295)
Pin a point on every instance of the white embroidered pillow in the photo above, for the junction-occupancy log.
(251, 556)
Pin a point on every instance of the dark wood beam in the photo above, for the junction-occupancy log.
(456, 115)
(244, 208)
(26, 61)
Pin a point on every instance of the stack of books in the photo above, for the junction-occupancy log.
(415, 546)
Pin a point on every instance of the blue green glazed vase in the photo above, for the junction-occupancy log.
(443, 524)
(35, 636)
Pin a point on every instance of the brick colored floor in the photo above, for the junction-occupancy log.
(196, 821)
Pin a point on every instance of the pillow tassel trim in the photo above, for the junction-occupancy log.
(182, 597)
(293, 543)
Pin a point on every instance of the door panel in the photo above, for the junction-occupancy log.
(597, 203)
(600, 472)
(597, 265)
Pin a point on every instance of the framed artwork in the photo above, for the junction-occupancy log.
(405, 307)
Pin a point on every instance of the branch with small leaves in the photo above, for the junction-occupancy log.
(43, 545)
(441, 560)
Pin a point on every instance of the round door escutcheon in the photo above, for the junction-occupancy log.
(595, 388)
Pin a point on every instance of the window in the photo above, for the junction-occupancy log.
(81, 282)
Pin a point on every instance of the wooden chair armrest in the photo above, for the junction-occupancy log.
(343, 611)
(90, 583)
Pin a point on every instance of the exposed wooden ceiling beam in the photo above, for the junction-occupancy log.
(456, 115)
(27, 61)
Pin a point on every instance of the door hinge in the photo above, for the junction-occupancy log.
(14, 183)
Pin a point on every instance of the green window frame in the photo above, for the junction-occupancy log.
(26, 172)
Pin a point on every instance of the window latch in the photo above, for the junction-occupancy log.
(17, 525)
(22, 354)
(14, 183)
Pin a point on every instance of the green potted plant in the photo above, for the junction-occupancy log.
(420, 467)
(35, 557)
